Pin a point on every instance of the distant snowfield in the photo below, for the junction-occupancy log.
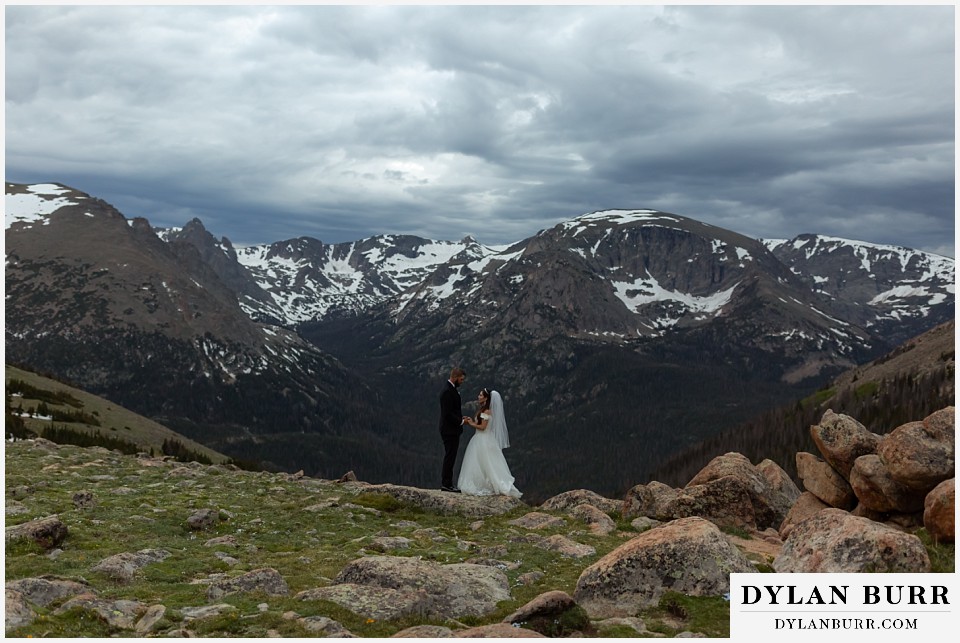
(34, 207)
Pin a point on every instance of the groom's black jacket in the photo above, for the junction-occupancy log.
(451, 417)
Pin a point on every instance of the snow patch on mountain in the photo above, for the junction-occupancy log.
(614, 217)
(647, 290)
(42, 200)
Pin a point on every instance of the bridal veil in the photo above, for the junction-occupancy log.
(499, 421)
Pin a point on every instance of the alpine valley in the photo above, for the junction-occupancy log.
(618, 338)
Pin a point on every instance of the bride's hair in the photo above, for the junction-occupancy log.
(486, 405)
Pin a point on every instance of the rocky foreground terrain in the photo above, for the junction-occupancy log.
(100, 544)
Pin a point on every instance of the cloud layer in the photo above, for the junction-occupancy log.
(341, 122)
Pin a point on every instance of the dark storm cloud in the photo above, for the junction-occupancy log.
(342, 122)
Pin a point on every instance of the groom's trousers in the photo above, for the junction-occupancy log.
(451, 444)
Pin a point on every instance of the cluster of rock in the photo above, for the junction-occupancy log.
(904, 478)
(858, 502)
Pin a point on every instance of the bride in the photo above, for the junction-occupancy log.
(484, 471)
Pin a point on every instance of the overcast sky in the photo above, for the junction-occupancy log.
(342, 122)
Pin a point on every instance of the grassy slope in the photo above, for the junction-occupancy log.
(269, 520)
(115, 421)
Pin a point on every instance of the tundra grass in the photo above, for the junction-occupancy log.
(140, 507)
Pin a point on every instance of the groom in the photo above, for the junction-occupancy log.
(451, 426)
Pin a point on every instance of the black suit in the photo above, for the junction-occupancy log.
(451, 428)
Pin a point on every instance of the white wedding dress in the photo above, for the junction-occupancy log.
(484, 471)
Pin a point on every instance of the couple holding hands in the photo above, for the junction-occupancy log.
(484, 471)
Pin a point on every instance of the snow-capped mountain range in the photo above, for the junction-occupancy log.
(895, 284)
(289, 338)
(306, 280)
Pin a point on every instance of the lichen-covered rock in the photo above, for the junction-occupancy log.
(124, 566)
(550, 604)
(834, 541)
(378, 603)
(939, 512)
(726, 502)
(46, 590)
(17, 612)
(47, 532)
(825, 482)
(203, 519)
(565, 546)
(689, 555)
(537, 520)
(915, 459)
(122, 614)
(841, 440)
(569, 499)
(449, 503)
(941, 426)
(780, 481)
(805, 506)
(599, 523)
(651, 500)
(770, 506)
(267, 580)
(456, 590)
(876, 489)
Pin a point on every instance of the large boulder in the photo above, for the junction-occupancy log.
(17, 611)
(916, 459)
(46, 590)
(877, 490)
(47, 532)
(598, 522)
(841, 440)
(780, 481)
(455, 590)
(805, 506)
(825, 482)
(122, 614)
(448, 503)
(939, 512)
(724, 501)
(941, 426)
(377, 603)
(549, 604)
(689, 555)
(537, 520)
(651, 500)
(565, 547)
(570, 499)
(770, 506)
(553, 614)
(834, 541)
(123, 567)
(267, 580)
